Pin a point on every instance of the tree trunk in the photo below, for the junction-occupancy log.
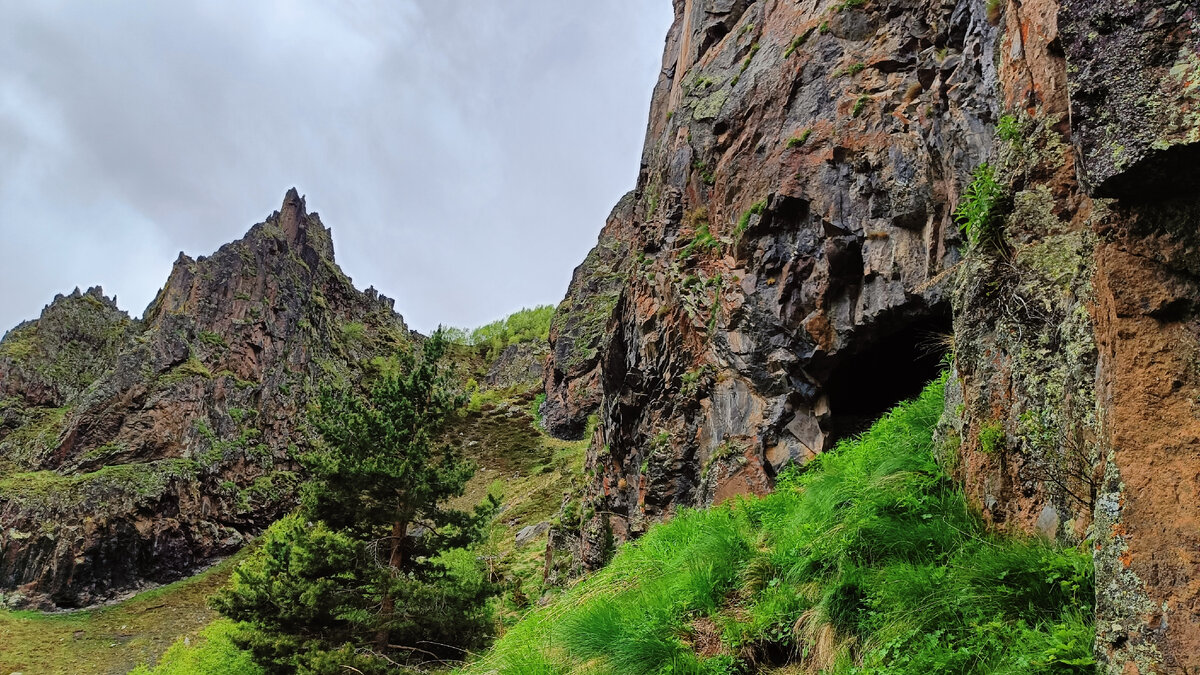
(395, 560)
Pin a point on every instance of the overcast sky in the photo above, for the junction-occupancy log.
(464, 152)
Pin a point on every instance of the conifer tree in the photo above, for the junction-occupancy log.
(371, 573)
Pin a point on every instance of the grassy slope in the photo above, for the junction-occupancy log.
(111, 639)
(868, 561)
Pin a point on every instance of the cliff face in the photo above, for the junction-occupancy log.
(136, 451)
(790, 264)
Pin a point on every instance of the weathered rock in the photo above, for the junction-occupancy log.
(578, 330)
(135, 452)
(791, 244)
(1134, 75)
(518, 364)
(530, 532)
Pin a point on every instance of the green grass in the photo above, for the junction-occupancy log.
(111, 639)
(212, 652)
(867, 560)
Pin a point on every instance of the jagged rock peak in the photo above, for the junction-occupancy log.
(293, 218)
(95, 292)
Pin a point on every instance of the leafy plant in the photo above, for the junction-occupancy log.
(860, 104)
(991, 437)
(979, 211)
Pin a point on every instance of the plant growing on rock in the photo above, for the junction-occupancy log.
(980, 213)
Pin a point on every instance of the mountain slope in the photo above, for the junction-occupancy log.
(137, 451)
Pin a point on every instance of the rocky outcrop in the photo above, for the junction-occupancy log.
(790, 242)
(792, 252)
(136, 451)
(1135, 94)
(577, 331)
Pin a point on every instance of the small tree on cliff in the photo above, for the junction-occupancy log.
(367, 573)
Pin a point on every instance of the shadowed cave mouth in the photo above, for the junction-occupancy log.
(867, 383)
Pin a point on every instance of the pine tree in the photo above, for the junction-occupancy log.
(371, 572)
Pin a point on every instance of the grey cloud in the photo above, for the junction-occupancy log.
(465, 152)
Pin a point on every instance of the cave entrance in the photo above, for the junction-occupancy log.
(868, 382)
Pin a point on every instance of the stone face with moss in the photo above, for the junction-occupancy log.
(133, 452)
(1133, 67)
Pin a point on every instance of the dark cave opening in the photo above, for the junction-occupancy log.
(868, 382)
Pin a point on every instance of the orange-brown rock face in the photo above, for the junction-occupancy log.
(791, 245)
(135, 451)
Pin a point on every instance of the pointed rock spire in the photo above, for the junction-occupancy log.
(292, 215)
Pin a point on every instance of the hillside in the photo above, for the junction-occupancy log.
(135, 451)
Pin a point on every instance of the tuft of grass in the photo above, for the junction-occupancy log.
(797, 141)
(991, 437)
(860, 104)
(796, 43)
(755, 209)
(213, 652)
(850, 4)
(868, 559)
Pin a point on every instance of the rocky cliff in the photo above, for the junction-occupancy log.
(135, 451)
(834, 194)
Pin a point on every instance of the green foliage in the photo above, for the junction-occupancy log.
(353, 331)
(749, 57)
(991, 437)
(797, 141)
(979, 212)
(372, 567)
(796, 43)
(706, 174)
(702, 240)
(866, 560)
(526, 325)
(860, 104)
(215, 652)
(853, 69)
(1010, 129)
(188, 369)
(213, 339)
(850, 4)
(535, 409)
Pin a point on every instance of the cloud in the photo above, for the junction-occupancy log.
(465, 153)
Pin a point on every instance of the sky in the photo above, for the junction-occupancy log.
(465, 153)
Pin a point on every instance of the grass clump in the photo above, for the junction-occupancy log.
(866, 560)
(213, 652)
(796, 43)
(797, 141)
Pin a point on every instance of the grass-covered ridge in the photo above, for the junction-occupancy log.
(867, 560)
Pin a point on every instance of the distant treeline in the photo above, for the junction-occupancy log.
(526, 325)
